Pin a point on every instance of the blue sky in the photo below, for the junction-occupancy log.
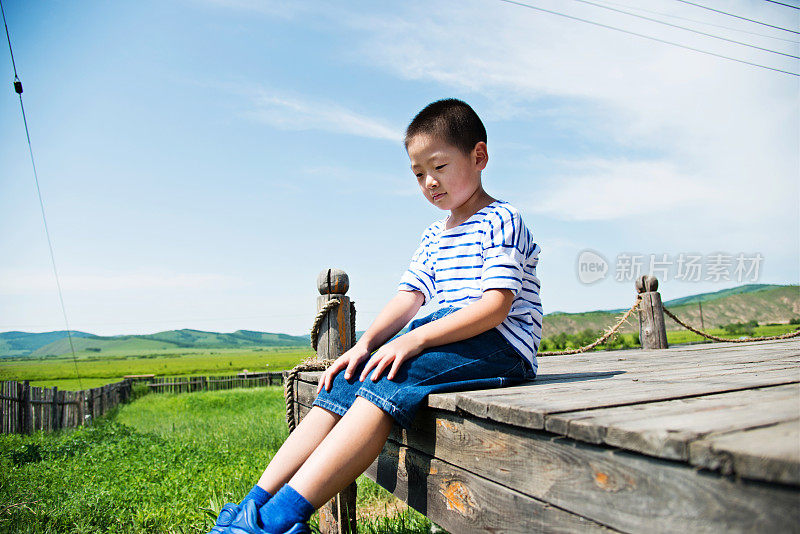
(202, 160)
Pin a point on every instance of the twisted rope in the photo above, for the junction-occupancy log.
(318, 321)
(715, 338)
(310, 364)
(602, 339)
(313, 365)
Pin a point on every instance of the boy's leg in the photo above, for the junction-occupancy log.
(349, 448)
(311, 431)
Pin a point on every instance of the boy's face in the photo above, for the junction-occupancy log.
(447, 176)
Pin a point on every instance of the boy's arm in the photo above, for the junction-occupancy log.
(394, 316)
(475, 318)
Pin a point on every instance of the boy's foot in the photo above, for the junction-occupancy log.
(247, 523)
(225, 518)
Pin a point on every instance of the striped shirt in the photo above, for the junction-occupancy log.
(491, 249)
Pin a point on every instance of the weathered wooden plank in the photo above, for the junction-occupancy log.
(743, 453)
(643, 433)
(305, 393)
(626, 491)
(673, 369)
(463, 502)
(529, 406)
(571, 382)
(664, 429)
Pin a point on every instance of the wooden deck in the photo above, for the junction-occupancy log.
(700, 438)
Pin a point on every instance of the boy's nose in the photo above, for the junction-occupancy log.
(430, 181)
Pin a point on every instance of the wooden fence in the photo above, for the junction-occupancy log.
(188, 384)
(25, 408)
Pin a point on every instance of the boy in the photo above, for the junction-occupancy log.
(480, 262)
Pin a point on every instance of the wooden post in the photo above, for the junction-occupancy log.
(339, 515)
(652, 330)
(60, 410)
(84, 408)
(54, 410)
(3, 411)
(25, 408)
(702, 324)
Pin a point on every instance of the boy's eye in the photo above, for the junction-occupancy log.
(440, 167)
(418, 175)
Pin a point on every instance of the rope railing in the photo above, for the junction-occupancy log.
(602, 339)
(310, 364)
(717, 338)
(313, 365)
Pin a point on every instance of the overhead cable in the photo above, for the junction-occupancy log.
(18, 90)
(737, 16)
(687, 29)
(650, 37)
(703, 22)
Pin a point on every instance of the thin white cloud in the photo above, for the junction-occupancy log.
(617, 189)
(300, 113)
(272, 8)
(389, 184)
(23, 283)
(708, 124)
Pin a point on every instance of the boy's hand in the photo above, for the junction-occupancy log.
(350, 360)
(395, 353)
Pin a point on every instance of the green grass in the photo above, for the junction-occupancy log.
(686, 336)
(100, 369)
(161, 464)
(677, 337)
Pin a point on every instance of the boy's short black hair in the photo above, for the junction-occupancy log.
(451, 120)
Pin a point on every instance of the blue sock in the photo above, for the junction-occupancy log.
(258, 495)
(285, 509)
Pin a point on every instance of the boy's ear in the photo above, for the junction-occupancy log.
(480, 155)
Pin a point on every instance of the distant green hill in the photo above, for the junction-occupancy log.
(765, 303)
(56, 343)
(23, 343)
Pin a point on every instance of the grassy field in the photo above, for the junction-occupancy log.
(674, 337)
(686, 336)
(97, 370)
(161, 464)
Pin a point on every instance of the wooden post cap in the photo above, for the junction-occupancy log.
(332, 281)
(646, 283)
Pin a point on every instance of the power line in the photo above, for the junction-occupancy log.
(782, 4)
(18, 90)
(736, 16)
(670, 15)
(648, 37)
(687, 29)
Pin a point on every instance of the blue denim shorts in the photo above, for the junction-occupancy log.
(486, 360)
